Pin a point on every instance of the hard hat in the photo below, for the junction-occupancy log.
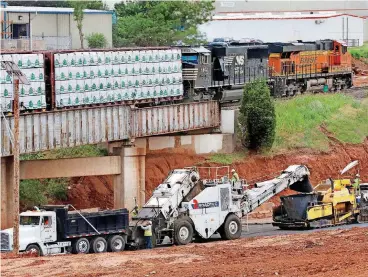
(233, 170)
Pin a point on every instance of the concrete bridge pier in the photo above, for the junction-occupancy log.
(7, 190)
(130, 183)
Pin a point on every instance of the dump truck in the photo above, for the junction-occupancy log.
(55, 230)
(183, 208)
(331, 203)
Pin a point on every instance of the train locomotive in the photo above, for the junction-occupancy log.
(290, 68)
(166, 75)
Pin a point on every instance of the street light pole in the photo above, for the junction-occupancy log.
(16, 166)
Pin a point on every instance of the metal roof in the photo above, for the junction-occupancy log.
(273, 16)
(201, 49)
(49, 10)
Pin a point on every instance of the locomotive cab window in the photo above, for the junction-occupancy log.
(205, 59)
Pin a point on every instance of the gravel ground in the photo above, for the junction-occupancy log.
(336, 252)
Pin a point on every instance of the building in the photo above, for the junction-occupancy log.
(50, 28)
(287, 26)
(359, 8)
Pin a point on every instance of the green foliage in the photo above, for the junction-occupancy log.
(299, 121)
(157, 23)
(71, 152)
(37, 192)
(96, 40)
(226, 159)
(350, 124)
(78, 16)
(257, 116)
(31, 193)
(57, 188)
(359, 52)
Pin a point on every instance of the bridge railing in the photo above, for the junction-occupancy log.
(68, 128)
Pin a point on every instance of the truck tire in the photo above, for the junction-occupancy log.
(98, 245)
(34, 249)
(232, 228)
(116, 243)
(81, 246)
(183, 232)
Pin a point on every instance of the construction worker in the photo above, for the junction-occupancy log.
(235, 177)
(148, 234)
(135, 211)
(356, 183)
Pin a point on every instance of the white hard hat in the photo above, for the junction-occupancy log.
(233, 170)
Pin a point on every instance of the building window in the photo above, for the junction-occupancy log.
(20, 30)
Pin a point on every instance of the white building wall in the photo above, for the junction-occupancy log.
(284, 30)
(63, 25)
(92, 23)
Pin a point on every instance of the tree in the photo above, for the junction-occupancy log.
(96, 40)
(78, 14)
(157, 23)
(257, 116)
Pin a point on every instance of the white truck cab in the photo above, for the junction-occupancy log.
(37, 233)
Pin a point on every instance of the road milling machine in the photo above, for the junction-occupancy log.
(332, 202)
(195, 203)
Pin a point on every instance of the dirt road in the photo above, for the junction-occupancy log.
(335, 253)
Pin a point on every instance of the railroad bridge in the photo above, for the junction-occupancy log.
(118, 126)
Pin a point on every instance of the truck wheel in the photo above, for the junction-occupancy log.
(116, 243)
(81, 246)
(99, 245)
(232, 228)
(34, 250)
(183, 232)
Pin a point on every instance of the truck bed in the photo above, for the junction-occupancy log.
(72, 225)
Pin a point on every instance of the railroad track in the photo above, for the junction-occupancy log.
(236, 104)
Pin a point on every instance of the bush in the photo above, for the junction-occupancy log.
(257, 116)
(96, 40)
(36, 192)
(31, 193)
(57, 188)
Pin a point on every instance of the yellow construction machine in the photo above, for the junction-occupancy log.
(331, 203)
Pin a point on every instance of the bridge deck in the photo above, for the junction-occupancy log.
(68, 128)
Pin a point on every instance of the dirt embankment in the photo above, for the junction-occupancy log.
(319, 254)
(360, 68)
(91, 192)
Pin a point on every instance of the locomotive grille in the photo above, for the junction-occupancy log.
(190, 73)
(4, 245)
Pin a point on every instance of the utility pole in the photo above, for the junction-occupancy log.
(12, 69)
(16, 166)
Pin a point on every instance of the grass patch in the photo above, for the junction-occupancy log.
(350, 123)
(299, 120)
(359, 52)
(226, 159)
(71, 152)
